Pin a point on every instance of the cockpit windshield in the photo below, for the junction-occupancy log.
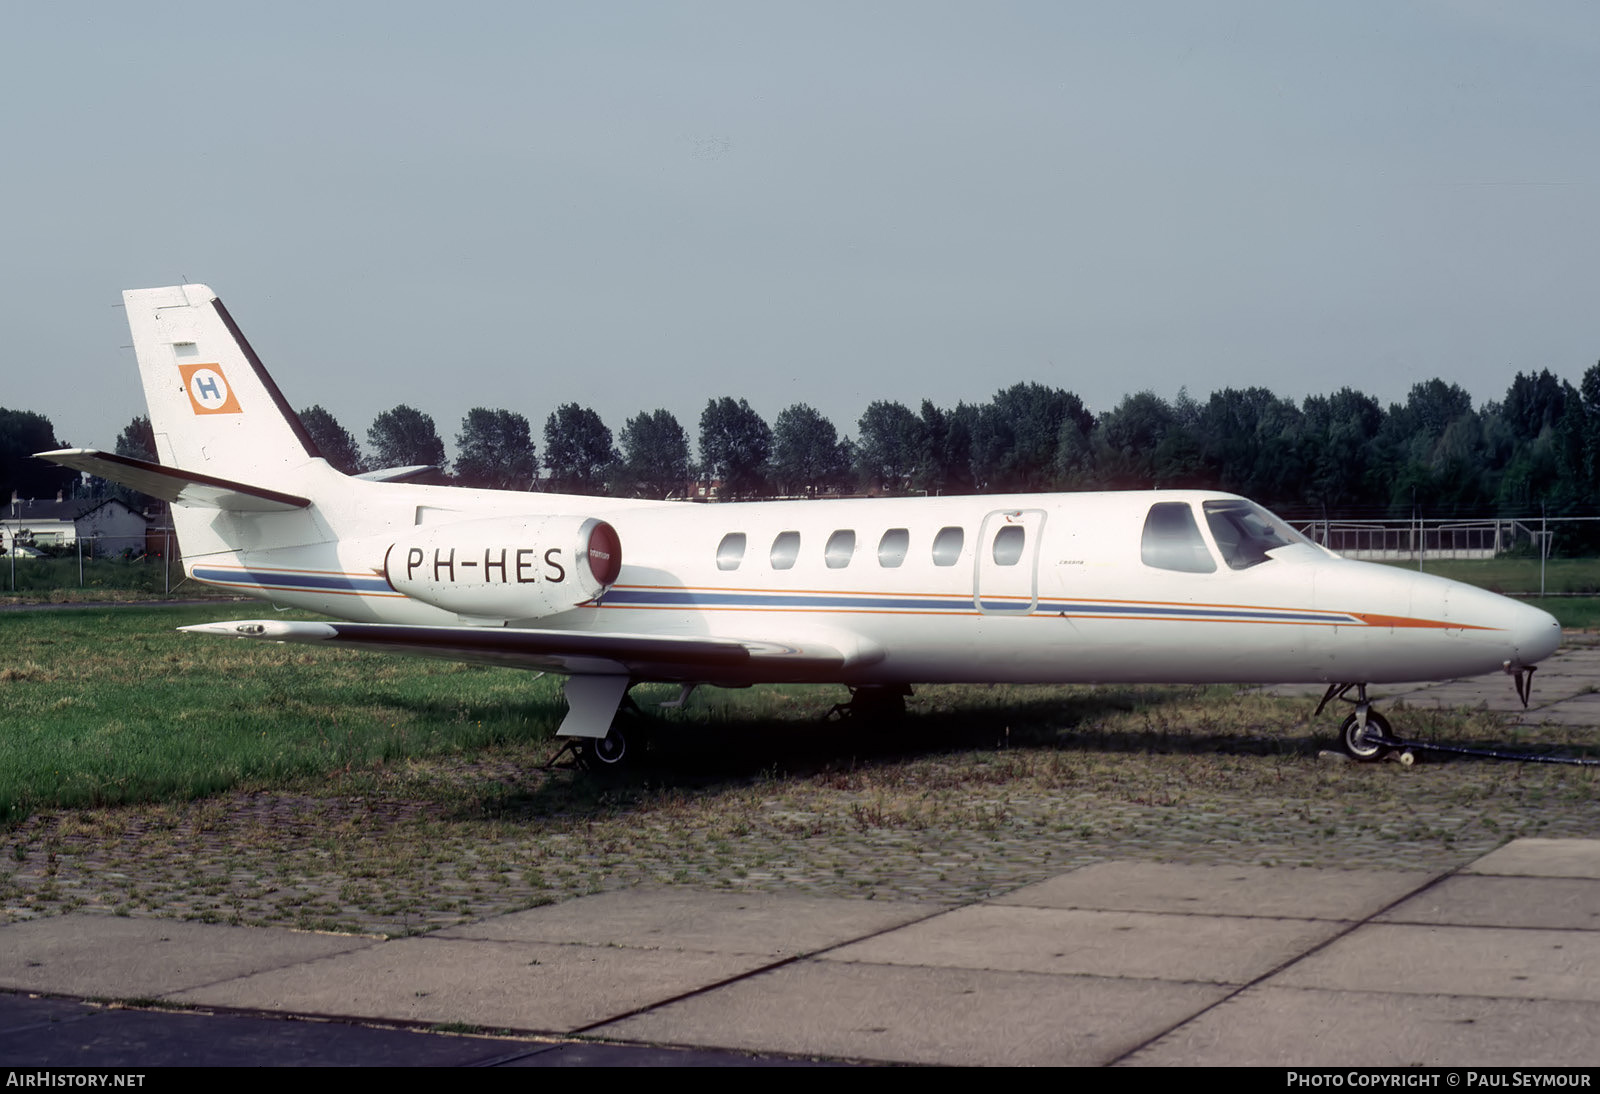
(1245, 532)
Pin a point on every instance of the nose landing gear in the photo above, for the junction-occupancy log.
(1365, 735)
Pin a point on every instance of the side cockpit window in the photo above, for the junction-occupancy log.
(1172, 540)
(1245, 532)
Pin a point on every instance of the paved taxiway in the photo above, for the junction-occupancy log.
(1119, 962)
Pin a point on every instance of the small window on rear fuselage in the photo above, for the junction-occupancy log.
(947, 546)
(841, 546)
(892, 547)
(785, 549)
(1172, 540)
(730, 552)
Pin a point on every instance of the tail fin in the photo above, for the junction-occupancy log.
(213, 407)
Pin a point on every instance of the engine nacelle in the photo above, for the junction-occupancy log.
(506, 567)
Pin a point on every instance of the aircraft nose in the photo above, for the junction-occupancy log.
(1535, 634)
(1519, 633)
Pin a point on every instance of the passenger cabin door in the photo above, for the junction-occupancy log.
(1005, 577)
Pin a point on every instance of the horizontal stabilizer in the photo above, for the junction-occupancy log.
(176, 486)
(641, 656)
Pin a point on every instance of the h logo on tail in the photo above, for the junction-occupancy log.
(208, 390)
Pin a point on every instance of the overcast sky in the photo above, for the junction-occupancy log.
(647, 205)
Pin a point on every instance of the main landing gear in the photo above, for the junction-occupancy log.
(604, 729)
(620, 749)
(874, 702)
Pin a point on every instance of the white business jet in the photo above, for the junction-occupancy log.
(1150, 586)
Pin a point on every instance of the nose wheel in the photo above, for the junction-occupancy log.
(1366, 739)
(1365, 735)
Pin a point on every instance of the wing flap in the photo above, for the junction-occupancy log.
(173, 485)
(641, 656)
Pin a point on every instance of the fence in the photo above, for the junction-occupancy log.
(149, 562)
(1385, 540)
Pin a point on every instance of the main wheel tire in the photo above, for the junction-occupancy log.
(608, 753)
(1368, 745)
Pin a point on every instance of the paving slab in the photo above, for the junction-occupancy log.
(1426, 960)
(1467, 695)
(1581, 711)
(925, 1015)
(1278, 892)
(1542, 858)
(529, 986)
(1484, 901)
(1137, 945)
(683, 919)
(1571, 663)
(1291, 1027)
(111, 957)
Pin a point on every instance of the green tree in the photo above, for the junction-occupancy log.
(1252, 445)
(655, 455)
(1018, 433)
(945, 464)
(138, 440)
(22, 433)
(577, 450)
(888, 447)
(495, 450)
(405, 437)
(1338, 436)
(1534, 404)
(1127, 438)
(806, 454)
(735, 447)
(333, 440)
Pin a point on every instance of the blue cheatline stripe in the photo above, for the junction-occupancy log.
(1091, 607)
(638, 598)
(271, 579)
(910, 602)
(695, 598)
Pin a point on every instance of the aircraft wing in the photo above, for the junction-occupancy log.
(172, 485)
(675, 658)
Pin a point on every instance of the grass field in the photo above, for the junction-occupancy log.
(144, 771)
(108, 706)
(1518, 576)
(111, 706)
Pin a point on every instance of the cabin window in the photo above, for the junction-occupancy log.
(947, 546)
(841, 546)
(1008, 543)
(892, 547)
(730, 552)
(785, 549)
(1172, 540)
(1245, 532)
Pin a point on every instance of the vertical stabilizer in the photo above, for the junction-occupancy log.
(212, 405)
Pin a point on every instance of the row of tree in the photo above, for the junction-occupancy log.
(1343, 453)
